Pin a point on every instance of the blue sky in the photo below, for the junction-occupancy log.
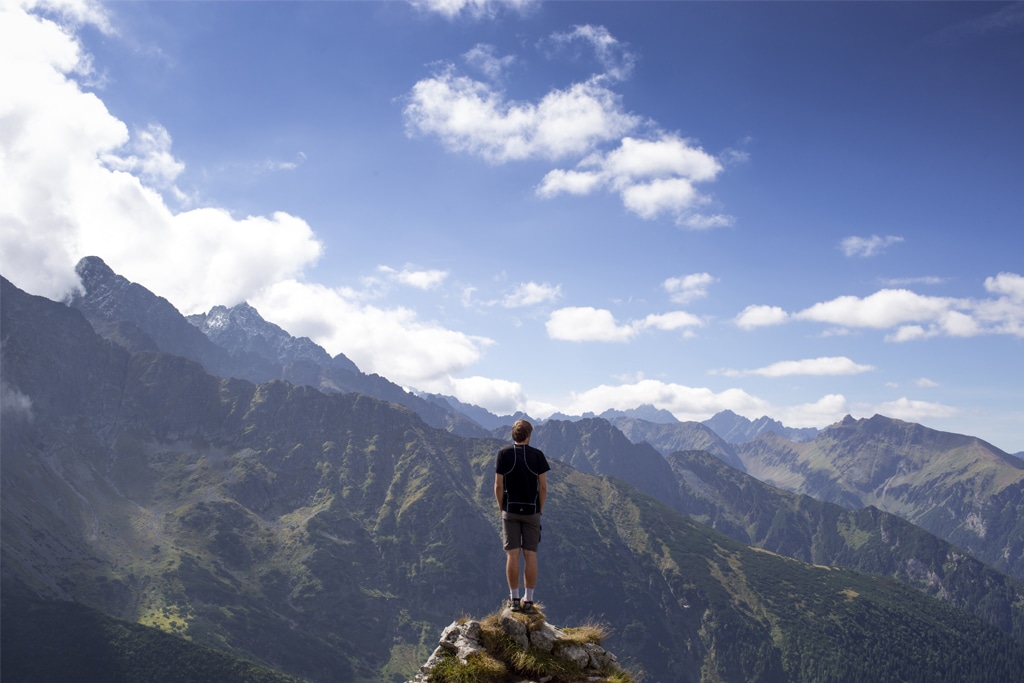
(801, 210)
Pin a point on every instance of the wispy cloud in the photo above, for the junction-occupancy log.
(825, 366)
(484, 57)
(868, 246)
(615, 57)
(420, 279)
(908, 281)
(473, 8)
(683, 290)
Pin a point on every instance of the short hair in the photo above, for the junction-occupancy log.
(521, 431)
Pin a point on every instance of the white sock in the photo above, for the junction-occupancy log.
(529, 595)
(513, 593)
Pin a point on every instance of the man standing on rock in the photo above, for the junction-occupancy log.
(520, 487)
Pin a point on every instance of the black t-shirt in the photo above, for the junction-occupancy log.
(521, 466)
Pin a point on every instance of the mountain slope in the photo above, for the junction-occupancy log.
(333, 535)
(700, 485)
(235, 342)
(738, 429)
(958, 487)
(65, 641)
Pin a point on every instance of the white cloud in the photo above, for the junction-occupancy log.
(468, 116)
(868, 246)
(885, 308)
(583, 323)
(910, 315)
(925, 383)
(673, 320)
(392, 342)
(697, 221)
(653, 177)
(686, 403)
(916, 411)
(907, 281)
(485, 58)
(13, 403)
(1007, 284)
(531, 294)
(76, 183)
(149, 157)
(420, 279)
(473, 8)
(825, 366)
(760, 316)
(615, 57)
(499, 396)
(683, 290)
(826, 410)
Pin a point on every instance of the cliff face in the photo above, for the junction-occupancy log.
(524, 647)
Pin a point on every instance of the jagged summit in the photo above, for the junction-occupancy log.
(242, 328)
(512, 647)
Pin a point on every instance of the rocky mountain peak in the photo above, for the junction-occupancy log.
(513, 646)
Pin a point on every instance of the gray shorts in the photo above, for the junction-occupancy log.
(521, 531)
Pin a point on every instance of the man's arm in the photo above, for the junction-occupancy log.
(499, 488)
(542, 489)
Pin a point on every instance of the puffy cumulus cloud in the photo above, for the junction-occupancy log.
(686, 403)
(473, 8)
(825, 366)
(652, 176)
(148, 155)
(887, 308)
(420, 279)
(826, 410)
(614, 56)
(683, 290)
(469, 116)
(916, 411)
(868, 246)
(532, 294)
(392, 342)
(1010, 285)
(585, 323)
(760, 316)
(910, 315)
(499, 396)
(77, 183)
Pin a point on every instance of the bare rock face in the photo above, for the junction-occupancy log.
(529, 633)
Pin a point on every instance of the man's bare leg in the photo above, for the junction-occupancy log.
(530, 570)
(512, 569)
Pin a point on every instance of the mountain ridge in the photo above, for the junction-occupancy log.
(330, 535)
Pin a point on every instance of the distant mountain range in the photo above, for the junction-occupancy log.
(329, 533)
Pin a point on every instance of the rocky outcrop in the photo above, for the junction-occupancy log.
(525, 648)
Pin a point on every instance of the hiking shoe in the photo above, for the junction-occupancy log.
(527, 607)
(515, 605)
